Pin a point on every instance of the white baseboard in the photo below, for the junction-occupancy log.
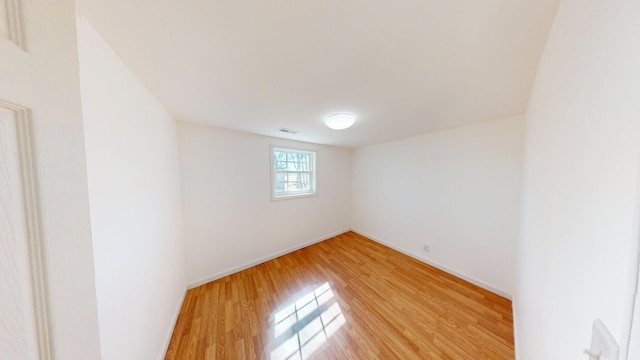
(233, 270)
(439, 266)
(167, 340)
(516, 337)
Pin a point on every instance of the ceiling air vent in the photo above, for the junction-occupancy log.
(288, 131)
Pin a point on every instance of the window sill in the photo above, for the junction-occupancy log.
(291, 197)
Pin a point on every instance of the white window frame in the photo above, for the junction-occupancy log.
(284, 195)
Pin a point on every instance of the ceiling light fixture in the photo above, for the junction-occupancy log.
(340, 121)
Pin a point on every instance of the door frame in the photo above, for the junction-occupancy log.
(630, 342)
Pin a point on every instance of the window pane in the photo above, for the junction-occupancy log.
(304, 178)
(292, 173)
(279, 156)
(293, 166)
(280, 186)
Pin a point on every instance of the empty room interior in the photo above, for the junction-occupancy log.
(326, 179)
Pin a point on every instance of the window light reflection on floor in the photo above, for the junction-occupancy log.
(302, 327)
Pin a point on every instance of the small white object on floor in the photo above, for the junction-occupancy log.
(603, 345)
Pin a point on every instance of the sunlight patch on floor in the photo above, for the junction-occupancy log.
(302, 327)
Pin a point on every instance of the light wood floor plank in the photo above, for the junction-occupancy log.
(345, 298)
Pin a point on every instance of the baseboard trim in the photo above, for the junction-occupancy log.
(234, 270)
(435, 264)
(516, 337)
(167, 340)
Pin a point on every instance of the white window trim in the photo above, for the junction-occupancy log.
(313, 178)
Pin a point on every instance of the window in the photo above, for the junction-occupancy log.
(293, 173)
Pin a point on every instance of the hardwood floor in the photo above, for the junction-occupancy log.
(345, 298)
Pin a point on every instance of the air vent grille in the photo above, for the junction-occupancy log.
(288, 131)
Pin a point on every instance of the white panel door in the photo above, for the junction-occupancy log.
(23, 319)
(17, 322)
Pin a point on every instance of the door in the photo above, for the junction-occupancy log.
(23, 309)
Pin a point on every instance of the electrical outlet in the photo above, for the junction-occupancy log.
(426, 248)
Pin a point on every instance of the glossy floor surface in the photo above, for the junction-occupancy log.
(345, 298)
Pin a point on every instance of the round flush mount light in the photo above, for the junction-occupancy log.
(340, 121)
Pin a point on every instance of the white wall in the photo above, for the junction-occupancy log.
(457, 190)
(580, 183)
(230, 219)
(134, 196)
